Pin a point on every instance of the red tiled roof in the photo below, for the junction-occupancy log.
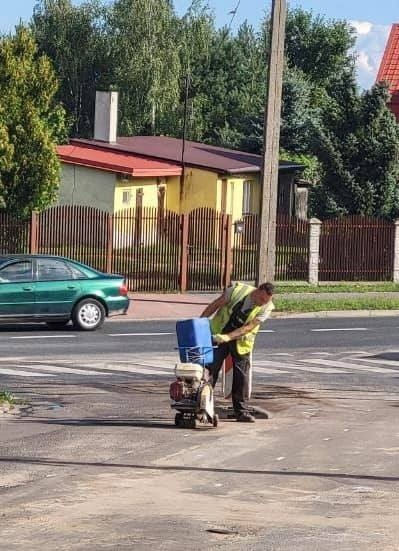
(389, 69)
(199, 155)
(116, 161)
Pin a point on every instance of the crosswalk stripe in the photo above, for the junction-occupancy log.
(379, 362)
(61, 369)
(298, 367)
(134, 369)
(350, 366)
(267, 370)
(22, 373)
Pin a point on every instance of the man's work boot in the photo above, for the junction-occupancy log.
(245, 417)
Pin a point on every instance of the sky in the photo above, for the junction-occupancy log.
(372, 20)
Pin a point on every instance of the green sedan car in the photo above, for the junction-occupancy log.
(55, 290)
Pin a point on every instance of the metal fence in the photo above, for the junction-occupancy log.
(207, 256)
(356, 248)
(292, 248)
(159, 250)
(145, 246)
(76, 232)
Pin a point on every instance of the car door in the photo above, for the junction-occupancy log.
(56, 288)
(17, 290)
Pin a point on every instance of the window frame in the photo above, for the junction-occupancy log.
(247, 197)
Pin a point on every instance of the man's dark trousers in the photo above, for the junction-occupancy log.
(241, 367)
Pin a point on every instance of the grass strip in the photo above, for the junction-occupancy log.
(311, 305)
(375, 287)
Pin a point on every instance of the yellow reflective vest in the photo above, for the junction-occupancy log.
(246, 343)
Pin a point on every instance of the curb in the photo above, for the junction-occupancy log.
(292, 315)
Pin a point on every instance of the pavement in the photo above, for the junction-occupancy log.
(190, 305)
(91, 461)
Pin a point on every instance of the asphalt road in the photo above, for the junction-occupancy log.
(95, 463)
(158, 338)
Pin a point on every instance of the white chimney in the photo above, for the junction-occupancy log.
(106, 117)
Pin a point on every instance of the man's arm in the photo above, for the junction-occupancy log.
(214, 306)
(244, 330)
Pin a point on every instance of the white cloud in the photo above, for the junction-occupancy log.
(369, 49)
(362, 27)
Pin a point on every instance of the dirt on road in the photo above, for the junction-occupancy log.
(103, 468)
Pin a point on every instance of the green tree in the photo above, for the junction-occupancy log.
(146, 66)
(319, 47)
(75, 39)
(226, 85)
(357, 143)
(31, 124)
(297, 117)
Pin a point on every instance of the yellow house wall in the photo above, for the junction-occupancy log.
(200, 190)
(173, 194)
(86, 186)
(148, 185)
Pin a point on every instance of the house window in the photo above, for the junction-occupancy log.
(126, 197)
(247, 197)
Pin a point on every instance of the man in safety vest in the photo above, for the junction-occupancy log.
(239, 313)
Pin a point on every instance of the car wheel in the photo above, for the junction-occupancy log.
(57, 324)
(88, 315)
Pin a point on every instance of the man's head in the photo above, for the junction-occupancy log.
(263, 294)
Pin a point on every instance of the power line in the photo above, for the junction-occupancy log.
(234, 13)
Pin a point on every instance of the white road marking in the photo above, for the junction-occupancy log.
(279, 354)
(379, 362)
(133, 369)
(61, 369)
(349, 366)
(295, 367)
(266, 331)
(137, 334)
(321, 354)
(47, 337)
(340, 329)
(267, 370)
(21, 373)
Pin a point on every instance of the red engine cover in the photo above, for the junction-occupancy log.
(176, 391)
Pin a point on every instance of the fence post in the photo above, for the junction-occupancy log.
(396, 254)
(184, 218)
(33, 233)
(110, 242)
(228, 250)
(314, 247)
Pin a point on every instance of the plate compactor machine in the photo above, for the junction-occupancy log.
(192, 393)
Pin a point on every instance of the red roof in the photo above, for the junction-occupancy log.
(389, 69)
(116, 161)
(198, 155)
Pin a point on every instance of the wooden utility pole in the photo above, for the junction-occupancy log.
(271, 145)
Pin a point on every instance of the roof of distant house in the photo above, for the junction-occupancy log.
(116, 161)
(197, 155)
(389, 68)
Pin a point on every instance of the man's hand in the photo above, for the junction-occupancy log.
(220, 339)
